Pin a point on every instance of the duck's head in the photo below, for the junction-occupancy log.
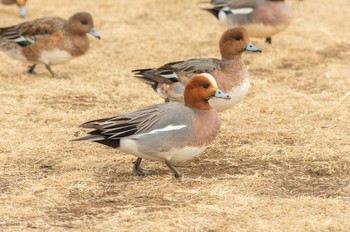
(234, 42)
(199, 89)
(82, 23)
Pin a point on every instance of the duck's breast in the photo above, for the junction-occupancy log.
(236, 93)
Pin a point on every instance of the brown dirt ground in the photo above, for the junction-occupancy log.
(280, 163)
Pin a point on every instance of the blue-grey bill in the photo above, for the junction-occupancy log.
(94, 33)
(251, 48)
(220, 94)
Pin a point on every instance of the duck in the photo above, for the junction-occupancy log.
(262, 18)
(166, 132)
(230, 73)
(20, 3)
(49, 40)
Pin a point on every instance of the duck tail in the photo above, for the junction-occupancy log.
(114, 143)
(144, 75)
(152, 77)
(213, 11)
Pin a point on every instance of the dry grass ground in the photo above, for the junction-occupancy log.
(280, 163)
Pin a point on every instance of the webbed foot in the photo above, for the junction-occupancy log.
(31, 69)
(176, 172)
(138, 171)
(268, 40)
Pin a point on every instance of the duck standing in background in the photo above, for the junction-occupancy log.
(262, 18)
(49, 40)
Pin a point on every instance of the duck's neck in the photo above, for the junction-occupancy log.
(199, 104)
(232, 73)
(232, 63)
(207, 133)
(81, 45)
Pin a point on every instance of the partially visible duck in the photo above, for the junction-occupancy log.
(262, 18)
(49, 41)
(167, 132)
(230, 73)
(20, 3)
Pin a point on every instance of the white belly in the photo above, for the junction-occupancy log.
(263, 31)
(259, 30)
(172, 155)
(54, 56)
(236, 95)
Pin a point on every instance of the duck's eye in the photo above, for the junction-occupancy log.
(84, 21)
(237, 37)
(205, 85)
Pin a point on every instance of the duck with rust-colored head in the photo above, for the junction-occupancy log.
(230, 73)
(167, 132)
(262, 18)
(49, 40)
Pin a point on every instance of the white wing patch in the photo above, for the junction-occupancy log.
(167, 128)
(169, 76)
(241, 10)
(22, 38)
